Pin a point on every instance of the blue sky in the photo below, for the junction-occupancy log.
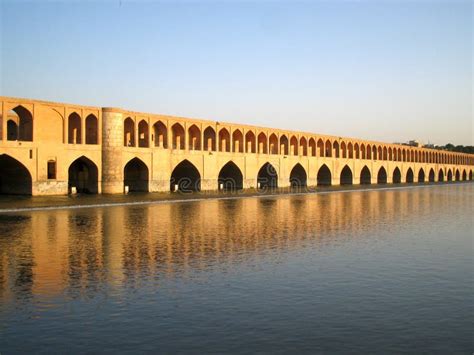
(387, 70)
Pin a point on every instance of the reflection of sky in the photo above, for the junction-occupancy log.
(391, 72)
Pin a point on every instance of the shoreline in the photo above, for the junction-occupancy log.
(53, 203)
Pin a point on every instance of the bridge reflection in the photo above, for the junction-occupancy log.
(81, 253)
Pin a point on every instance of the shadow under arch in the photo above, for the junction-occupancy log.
(346, 176)
(135, 176)
(84, 176)
(298, 176)
(324, 176)
(365, 177)
(431, 176)
(230, 177)
(441, 175)
(267, 177)
(382, 176)
(15, 179)
(421, 176)
(457, 175)
(450, 175)
(397, 176)
(410, 176)
(185, 177)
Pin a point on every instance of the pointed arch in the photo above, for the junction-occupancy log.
(324, 177)
(177, 136)
(293, 145)
(384, 154)
(24, 123)
(128, 133)
(362, 151)
(15, 178)
(464, 175)
(312, 147)
(450, 175)
(365, 176)
(209, 139)
(194, 137)
(74, 128)
(224, 140)
(328, 150)
(304, 147)
(421, 176)
(320, 148)
(409, 177)
(262, 143)
(346, 176)
(440, 175)
(135, 176)
(185, 178)
(431, 176)
(273, 140)
(350, 150)
(230, 177)
(343, 150)
(335, 147)
(368, 154)
(250, 146)
(160, 135)
(470, 175)
(284, 145)
(397, 176)
(382, 176)
(267, 177)
(298, 176)
(143, 134)
(357, 151)
(238, 141)
(457, 175)
(92, 129)
(83, 175)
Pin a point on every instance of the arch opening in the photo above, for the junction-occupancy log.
(209, 139)
(464, 175)
(421, 176)
(457, 176)
(135, 175)
(83, 175)
(160, 135)
(185, 178)
(129, 132)
(382, 176)
(441, 175)
(397, 176)
(20, 124)
(15, 179)
(74, 129)
(143, 134)
(346, 176)
(298, 176)
(230, 177)
(194, 137)
(409, 178)
(92, 130)
(450, 175)
(267, 177)
(365, 177)
(324, 177)
(431, 176)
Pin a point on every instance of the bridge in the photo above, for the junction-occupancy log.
(49, 148)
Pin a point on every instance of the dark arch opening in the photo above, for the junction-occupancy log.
(409, 176)
(267, 176)
(365, 178)
(421, 176)
(382, 176)
(470, 175)
(230, 177)
(397, 176)
(464, 175)
(135, 176)
(298, 177)
(346, 176)
(324, 176)
(450, 175)
(12, 130)
(83, 175)
(458, 176)
(15, 179)
(431, 176)
(441, 175)
(185, 178)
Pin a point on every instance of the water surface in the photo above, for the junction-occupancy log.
(381, 270)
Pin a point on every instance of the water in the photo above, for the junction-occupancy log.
(381, 270)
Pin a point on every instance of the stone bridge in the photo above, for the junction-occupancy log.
(49, 148)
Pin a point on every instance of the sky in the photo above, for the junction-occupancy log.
(383, 70)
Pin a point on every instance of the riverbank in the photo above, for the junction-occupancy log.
(12, 204)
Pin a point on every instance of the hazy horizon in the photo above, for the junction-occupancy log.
(380, 71)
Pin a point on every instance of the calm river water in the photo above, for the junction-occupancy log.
(377, 271)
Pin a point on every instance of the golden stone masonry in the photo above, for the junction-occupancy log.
(51, 148)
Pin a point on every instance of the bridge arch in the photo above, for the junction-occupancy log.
(262, 143)
(409, 177)
(177, 135)
(230, 177)
(143, 134)
(397, 176)
(284, 145)
(128, 132)
(346, 176)
(185, 177)
(250, 142)
(135, 175)
(350, 150)
(457, 176)
(21, 128)
(382, 176)
(431, 176)
(293, 145)
(470, 175)
(312, 147)
(441, 175)
(267, 177)
(421, 176)
(321, 147)
(324, 177)
(304, 147)
(450, 175)
(209, 139)
(238, 141)
(365, 176)
(84, 176)
(328, 152)
(194, 137)
(160, 134)
(464, 175)
(15, 178)
(298, 176)
(224, 140)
